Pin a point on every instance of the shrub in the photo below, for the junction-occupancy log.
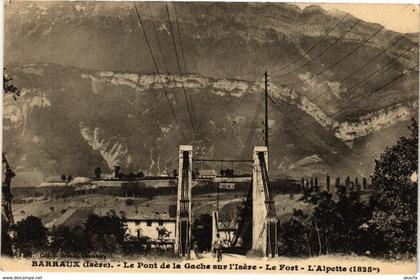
(69, 240)
(129, 202)
(6, 240)
(31, 235)
(106, 233)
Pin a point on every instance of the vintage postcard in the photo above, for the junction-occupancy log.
(210, 137)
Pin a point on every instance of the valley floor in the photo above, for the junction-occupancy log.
(74, 210)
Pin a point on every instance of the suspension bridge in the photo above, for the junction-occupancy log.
(263, 221)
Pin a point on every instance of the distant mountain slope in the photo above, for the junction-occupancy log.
(77, 119)
(90, 96)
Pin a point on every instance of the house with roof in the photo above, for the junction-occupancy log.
(156, 226)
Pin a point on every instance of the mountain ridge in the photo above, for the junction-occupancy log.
(90, 92)
(111, 148)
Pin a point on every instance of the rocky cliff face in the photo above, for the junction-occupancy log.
(113, 151)
(377, 121)
(90, 96)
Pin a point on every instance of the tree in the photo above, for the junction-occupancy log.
(6, 191)
(328, 183)
(231, 172)
(295, 236)
(333, 227)
(6, 240)
(6, 203)
(129, 202)
(31, 235)
(394, 201)
(324, 222)
(364, 183)
(7, 220)
(8, 87)
(106, 233)
(98, 172)
(163, 233)
(136, 189)
(117, 174)
(351, 214)
(357, 184)
(347, 182)
(69, 240)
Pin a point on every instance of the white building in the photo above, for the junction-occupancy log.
(227, 185)
(54, 184)
(157, 227)
(207, 174)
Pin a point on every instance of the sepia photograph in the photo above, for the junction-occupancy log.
(210, 137)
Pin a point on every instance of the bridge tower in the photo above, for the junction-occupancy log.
(183, 214)
(264, 222)
(214, 226)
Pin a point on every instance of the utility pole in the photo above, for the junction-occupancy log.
(266, 110)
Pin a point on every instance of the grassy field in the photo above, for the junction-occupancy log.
(74, 210)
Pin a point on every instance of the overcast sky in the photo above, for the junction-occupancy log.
(398, 17)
